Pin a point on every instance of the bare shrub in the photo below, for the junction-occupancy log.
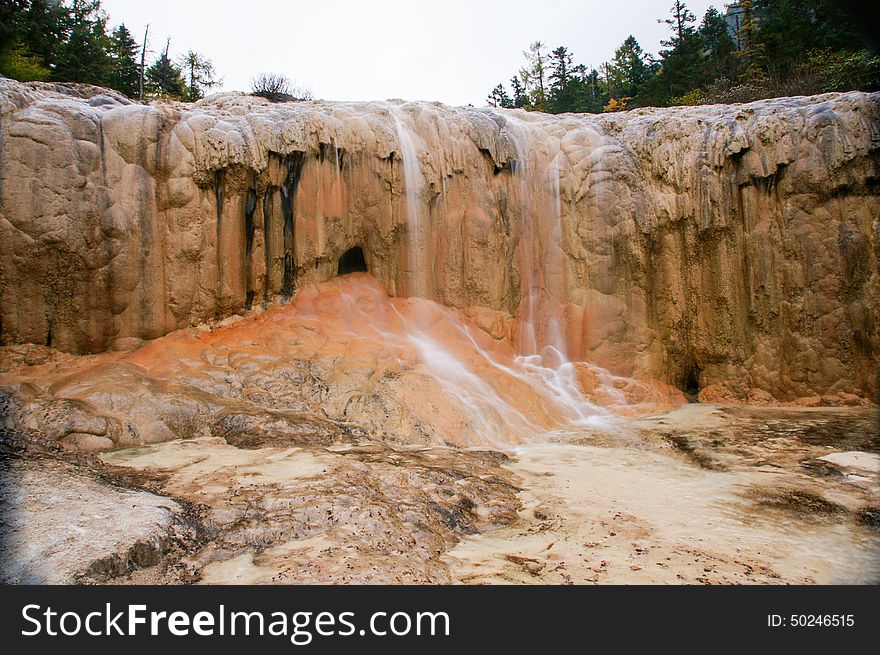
(278, 88)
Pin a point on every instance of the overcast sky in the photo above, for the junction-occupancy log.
(454, 51)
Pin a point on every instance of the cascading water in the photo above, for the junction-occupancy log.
(490, 390)
(412, 178)
(541, 342)
(502, 398)
(536, 178)
(486, 409)
(542, 362)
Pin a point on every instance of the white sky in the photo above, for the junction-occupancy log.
(454, 51)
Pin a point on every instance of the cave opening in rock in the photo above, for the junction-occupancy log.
(690, 383)
(352, 261)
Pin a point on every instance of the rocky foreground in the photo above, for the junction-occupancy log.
(704, 494)
(351, 437)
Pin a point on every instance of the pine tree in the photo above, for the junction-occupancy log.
(12, 12)
(683, 60)
(83, 56)
(520, 98)
(124, 68)
(199, 73)
(561, 97)
(679, 23)
(782, 33)
(31, 34)
(591, 98)
(629, 69)
(781, 47)
(751, 48)
(164, 78)
(560, 66)
(718, 47)
(499, 98)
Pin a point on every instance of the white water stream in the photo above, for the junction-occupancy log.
(543, 363)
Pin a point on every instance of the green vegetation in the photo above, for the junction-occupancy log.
(757, 49)
(69, 41)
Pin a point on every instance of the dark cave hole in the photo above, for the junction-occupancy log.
(352, 261)
(690, 383)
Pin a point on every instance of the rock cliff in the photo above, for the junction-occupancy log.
(727, 250)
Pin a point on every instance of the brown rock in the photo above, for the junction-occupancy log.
(721, 246)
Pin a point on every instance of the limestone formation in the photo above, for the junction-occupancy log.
(237, 340)
(728, 249)
(341, 362)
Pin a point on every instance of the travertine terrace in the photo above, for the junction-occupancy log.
(728, 249)
(406, 342)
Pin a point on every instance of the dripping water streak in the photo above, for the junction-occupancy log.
(541, 340)
(412, 176)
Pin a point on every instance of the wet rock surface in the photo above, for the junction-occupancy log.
(739, 504)
(342, 361)
(618, 504)
(730, 251)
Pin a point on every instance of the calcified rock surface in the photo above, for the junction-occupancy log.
(102, 531)
(342, 361)
(701, 495)
(254, 331)
(732, 248)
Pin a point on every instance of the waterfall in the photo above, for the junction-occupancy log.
(541, 341)
(499, 398)
(542, 361)
(413, 181)
(487, 410)
(536, 177)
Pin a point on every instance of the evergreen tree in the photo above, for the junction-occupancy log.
(682, 62)
(629, 69)
(199, 73)
(31, 33)
(784, 32)
(591, 98)
(534, 75)
(718, 47)
(560, 67)
(680, 24)
(520, 98)
(67, 41)
(83, 56)
(751, 48)
(499, 98)
(11, 15)
(124, 67)
(165, 79)
(562, 97)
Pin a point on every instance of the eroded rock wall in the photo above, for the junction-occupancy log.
(732, 249)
